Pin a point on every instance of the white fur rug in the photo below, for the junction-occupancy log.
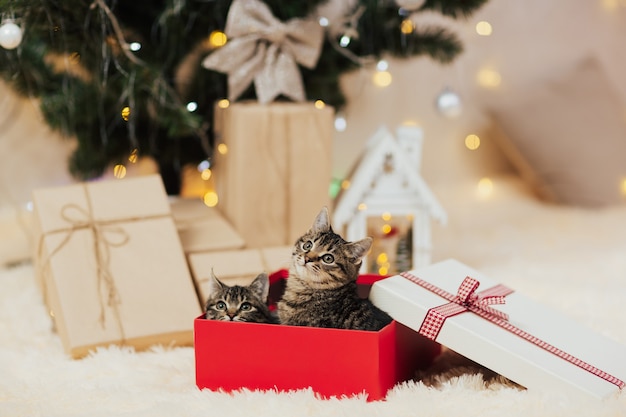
(573, 260)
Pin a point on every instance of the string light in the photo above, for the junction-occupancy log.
(613, 5)
(489, 78)
(206, 174)
(126, 113)
(119, 171)
(386, 229)
(192, 106)
(382, 78)
(217, 39)
(472, 142)
(222, 148)
(485, 188)
(407, 26)
(340, 124)
(319, 104)
(382, 260)
(134, 156)
(334, 188)
(206, 164)
(362, 207)
(386, 216)
(223, 103)
(210, 199)
(344, 41)
(624, 186)
(484, 28)
(345, 184)
(323, 21)
(134, 46)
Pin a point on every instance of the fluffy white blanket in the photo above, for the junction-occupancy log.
(573, 260)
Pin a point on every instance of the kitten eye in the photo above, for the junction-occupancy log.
(220, 305)
(307, 245)
(328, 258)
(245, 306)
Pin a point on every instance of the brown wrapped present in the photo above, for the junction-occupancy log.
(273, 168)
(236, 266)
(203, 228)
(111, 266)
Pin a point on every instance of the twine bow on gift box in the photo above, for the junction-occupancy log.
(267, 51)
(103, 239)
(105, 236)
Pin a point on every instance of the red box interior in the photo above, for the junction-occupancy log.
(333, 362)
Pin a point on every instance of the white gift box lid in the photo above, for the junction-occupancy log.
(501, 350)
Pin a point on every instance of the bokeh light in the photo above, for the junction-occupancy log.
(472, 142)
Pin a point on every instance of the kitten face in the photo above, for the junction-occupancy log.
(238, 303)
(323, 259)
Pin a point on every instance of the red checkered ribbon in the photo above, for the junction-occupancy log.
(467, 299)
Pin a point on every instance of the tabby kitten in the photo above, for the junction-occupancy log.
(321, 290)
(239, 303)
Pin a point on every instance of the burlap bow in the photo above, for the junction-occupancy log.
(267, 51)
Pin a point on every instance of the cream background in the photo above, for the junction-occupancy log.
(532, 40)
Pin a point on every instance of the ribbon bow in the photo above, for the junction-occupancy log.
(466, 299)
(266, 51)
(466, 296)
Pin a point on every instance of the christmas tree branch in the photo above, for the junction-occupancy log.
(118, 31)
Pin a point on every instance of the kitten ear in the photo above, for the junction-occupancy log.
(215, 284)
(322, 221)
(261, 286)
(360, 248)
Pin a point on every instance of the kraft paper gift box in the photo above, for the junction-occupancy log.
(202, 228)
(332, 362)
(273, 168)
(236, 267)
(111, 266)
(520, 339)
(15, 235)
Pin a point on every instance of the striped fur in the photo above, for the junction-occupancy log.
(321, 289)
(239, 303)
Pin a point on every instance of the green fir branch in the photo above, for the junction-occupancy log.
(74, 58)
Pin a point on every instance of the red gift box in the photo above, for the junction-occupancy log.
(333, 362)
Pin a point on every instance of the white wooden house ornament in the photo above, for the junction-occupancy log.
(386, 183)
